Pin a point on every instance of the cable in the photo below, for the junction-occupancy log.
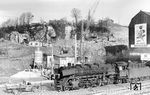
(96, 5)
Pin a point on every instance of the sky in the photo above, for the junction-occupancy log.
(121, 11)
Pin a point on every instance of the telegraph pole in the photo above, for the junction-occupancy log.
(81, 40)
(52, 63)
(75, 47)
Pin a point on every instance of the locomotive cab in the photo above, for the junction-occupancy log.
(122, 71)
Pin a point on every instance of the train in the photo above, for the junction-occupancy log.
(123, 63)
(117, 70)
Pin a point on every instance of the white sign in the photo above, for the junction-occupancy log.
(35, 44)
(65, 61)
(145, 56)
(38, 57)
(141, 34)
(50, 60)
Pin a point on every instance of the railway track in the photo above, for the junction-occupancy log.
(119, 89)
(125, 90)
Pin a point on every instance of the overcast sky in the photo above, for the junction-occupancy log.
(121, 11)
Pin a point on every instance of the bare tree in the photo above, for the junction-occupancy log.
(16, 21)
(26, 18)
(29, 17)
(22, 19)
(76, 14)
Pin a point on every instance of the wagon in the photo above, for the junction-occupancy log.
(22, 87)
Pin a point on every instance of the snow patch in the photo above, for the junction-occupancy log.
(28, 73)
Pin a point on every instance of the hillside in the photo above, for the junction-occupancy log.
(15, 57)
(120, 33)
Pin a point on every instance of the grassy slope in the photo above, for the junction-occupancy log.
(120, 33)
(15, 58)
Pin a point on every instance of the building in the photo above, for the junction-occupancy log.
(139, 35)
(64, 60)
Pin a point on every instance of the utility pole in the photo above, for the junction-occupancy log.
(81, 41)
(52, 63)
(75, 39)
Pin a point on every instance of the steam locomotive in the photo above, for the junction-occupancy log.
(116, 70)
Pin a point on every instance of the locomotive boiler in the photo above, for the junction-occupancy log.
(83, 76)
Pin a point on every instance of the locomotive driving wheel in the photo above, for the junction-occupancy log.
(75, 83)
(99, 82)
(67, 84)
(71, 83)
